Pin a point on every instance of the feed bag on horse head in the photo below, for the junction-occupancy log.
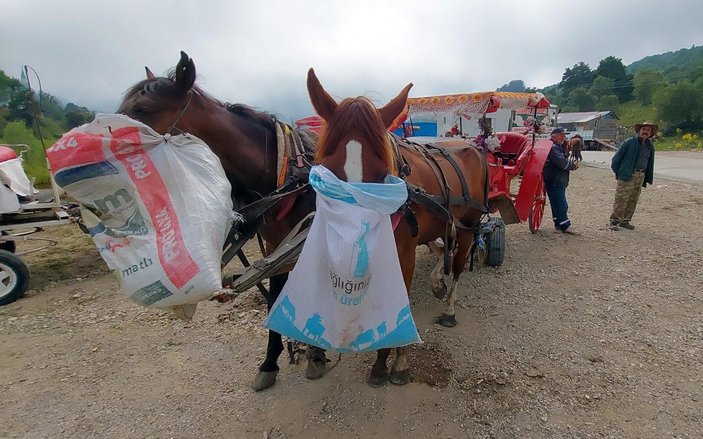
(346, 292)
(157, 207)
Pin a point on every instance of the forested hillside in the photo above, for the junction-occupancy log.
(666, 88)
(28, 117)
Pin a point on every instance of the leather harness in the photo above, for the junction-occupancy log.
(293, 168)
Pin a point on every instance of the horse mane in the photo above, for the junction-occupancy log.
(165, 87)
(360, 117)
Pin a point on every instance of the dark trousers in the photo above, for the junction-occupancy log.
(557, 200)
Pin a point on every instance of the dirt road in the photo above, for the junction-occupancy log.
(595, 336)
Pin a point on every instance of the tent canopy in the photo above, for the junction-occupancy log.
(482, 102)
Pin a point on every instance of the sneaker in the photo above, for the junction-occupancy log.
(614, 226)
(627, 226)
(570, 230)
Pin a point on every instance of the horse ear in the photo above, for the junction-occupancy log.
(185, 72)
(149, 73)
(323, 103)
(390, 112)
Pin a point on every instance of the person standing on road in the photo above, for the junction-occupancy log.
(556, 179)
(633, 165)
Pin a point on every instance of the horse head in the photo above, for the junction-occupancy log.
(244, 139)
(354, 145)
(158, 101)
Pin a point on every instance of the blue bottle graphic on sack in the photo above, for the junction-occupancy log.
(360, 253)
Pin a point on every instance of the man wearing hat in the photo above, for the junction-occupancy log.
(556, 179)
(633, 165)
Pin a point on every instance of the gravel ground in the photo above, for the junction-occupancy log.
(592, 336)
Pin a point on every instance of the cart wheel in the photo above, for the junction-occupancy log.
(495, 244)
(10, 246)
(534, 220)
(14, 277)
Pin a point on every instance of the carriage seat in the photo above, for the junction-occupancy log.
(511, 146)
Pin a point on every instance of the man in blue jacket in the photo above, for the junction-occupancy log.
(633, 165)
(556, 179)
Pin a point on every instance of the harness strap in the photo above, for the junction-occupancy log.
(447, 155)
(291, 150)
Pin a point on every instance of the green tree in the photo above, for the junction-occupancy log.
(608, 102)
(74, 119)
(646, 82)
(602, 86)
(580, 75)
(516, 85)
(52, 107)
(613, 68)
(7, 87)
(582, 99)
(21, 107)
(678, 104)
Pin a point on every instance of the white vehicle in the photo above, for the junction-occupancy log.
(21, 214)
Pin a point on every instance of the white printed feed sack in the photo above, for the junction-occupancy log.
(346, 292)
(157, 207)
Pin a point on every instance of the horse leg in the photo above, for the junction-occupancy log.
(266, 377)
(439, 289)
(465, 241)
(317, 362)
(400, 371)
(379, 370)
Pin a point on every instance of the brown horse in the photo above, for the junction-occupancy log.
(355, 146)
(245, 142)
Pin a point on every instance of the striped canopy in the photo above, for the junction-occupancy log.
(482, 102)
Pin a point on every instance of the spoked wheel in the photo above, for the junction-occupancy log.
(534, 220)
(14, 277)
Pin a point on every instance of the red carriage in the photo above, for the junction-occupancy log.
(519, 153)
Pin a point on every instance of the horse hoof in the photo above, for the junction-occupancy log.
(264, 380)
(440, 292)
(377, 381)
(315, 370)
(400, 377)
(446, 320)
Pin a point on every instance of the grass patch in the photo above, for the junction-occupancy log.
(680, 142)
(34, 159)
(633, 112)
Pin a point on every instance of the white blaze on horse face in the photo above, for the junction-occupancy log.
(352, 166)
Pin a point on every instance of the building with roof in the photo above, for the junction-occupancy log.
(596, 127)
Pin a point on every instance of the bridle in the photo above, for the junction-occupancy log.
(178, 118)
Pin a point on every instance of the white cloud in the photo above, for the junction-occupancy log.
(258, 52)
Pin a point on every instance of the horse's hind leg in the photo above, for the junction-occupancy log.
(439, 289)
(400, 373)
(317, 362)
(379, 371)
(266, 377)
(465, 241)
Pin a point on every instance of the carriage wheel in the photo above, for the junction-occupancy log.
(534, 220)
(495, 244)
(14, 277)
(8, 245)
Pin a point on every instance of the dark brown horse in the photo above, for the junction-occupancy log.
(245, 142)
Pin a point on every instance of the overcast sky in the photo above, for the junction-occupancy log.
(258, 52)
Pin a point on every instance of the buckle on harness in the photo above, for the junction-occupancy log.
(299, 162)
